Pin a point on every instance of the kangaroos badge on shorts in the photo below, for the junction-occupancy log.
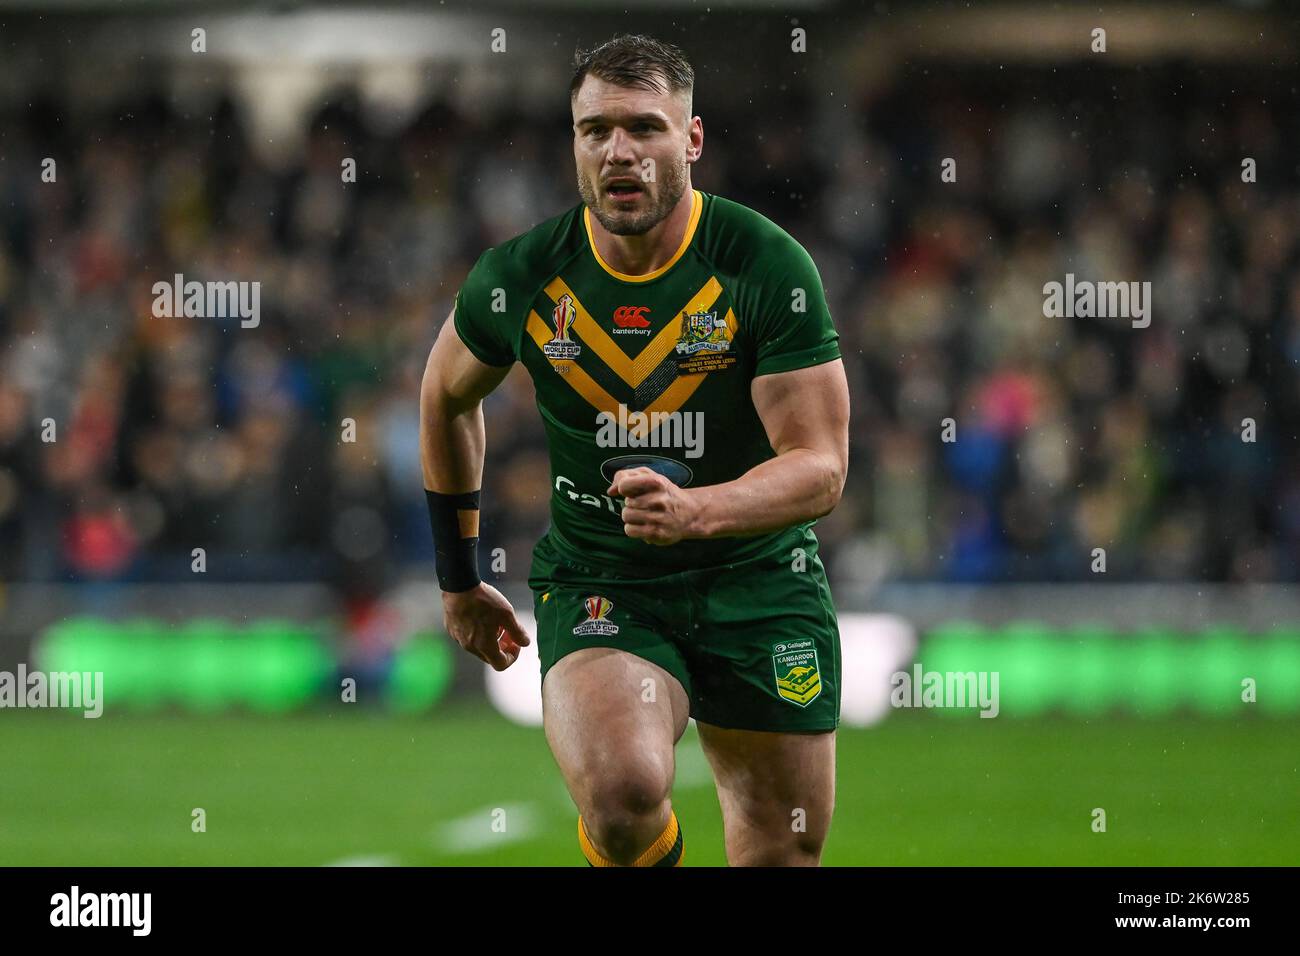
(597, 623)
(798, 678)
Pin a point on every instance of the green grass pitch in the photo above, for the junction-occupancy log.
(351, 786)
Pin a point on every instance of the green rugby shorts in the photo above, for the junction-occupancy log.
(755, 643)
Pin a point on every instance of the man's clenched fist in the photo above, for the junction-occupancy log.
(654, 509)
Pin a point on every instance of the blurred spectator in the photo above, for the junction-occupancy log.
(1071, 434)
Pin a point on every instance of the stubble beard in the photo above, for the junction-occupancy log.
(662, 202)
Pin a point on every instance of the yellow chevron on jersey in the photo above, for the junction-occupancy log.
(739, 298)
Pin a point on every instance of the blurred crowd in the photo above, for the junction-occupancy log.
(1068, 434)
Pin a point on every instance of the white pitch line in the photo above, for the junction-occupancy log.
(474, 832)
(376, 860)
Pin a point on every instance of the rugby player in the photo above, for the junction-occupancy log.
(696, 410)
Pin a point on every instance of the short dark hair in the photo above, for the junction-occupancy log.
(637, 61)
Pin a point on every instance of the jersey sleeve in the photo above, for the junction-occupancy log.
(791, 322)
(482, 318)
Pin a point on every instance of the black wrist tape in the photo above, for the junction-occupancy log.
(454, 519)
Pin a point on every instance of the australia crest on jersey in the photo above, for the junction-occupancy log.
(562, 316)
(705, 343)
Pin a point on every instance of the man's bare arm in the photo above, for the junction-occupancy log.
(452, 435)
(806, 415)
(452, 441)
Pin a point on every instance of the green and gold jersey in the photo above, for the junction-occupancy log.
(650, 370)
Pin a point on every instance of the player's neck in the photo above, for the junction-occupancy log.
(639, 255)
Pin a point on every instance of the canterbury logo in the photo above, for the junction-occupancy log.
(631, 316)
